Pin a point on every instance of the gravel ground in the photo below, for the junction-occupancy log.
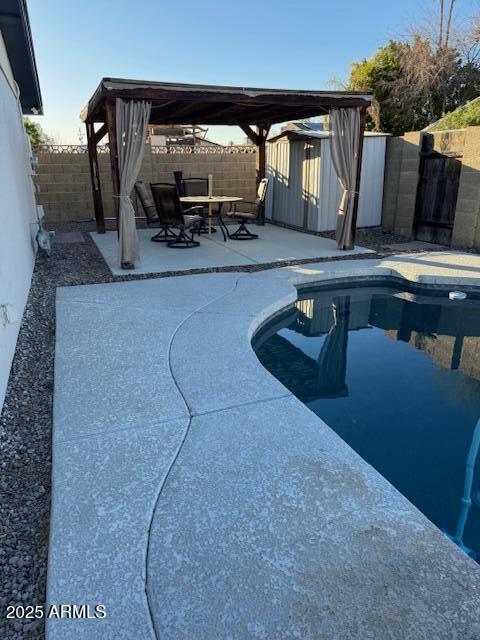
(26, 419)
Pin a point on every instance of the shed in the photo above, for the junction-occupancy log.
(304, 191)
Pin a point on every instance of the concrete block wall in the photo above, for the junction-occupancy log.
(393, 163)
(64, 178)
(64, 182)
(441, 350)
(400, 183)
(466, 228)
(401, 179)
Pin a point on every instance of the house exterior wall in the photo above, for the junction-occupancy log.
(17, 218)
(401, 180)
(304, 189)
(5, 62)
(65, 188)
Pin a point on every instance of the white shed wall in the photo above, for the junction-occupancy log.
(306, 192)
(285, 183)
(17, 213)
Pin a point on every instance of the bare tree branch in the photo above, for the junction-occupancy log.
(449, 22)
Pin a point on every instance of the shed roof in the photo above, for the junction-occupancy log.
(210, 104)
(291, 134)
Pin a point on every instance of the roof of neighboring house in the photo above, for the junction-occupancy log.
(304, 126)
(15, 29)
(171, 127)
(292, 134)
(208, 141)
(188, 140)
(182, 131)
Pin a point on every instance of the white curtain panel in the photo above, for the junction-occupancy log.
(345, 132)
(132, 119)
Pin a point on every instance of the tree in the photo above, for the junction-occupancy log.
(414, 84)
(439, 25)
(434, 81)
(379, 75)
(36, 134)
(417, 80)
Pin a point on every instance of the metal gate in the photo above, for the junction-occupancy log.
(437, 191)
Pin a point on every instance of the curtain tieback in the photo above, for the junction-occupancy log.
(122, 197)
(348, 194)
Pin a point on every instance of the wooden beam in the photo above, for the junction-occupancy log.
(181, 110)
(110, 112)
(164, 105)
(95, 178)
(361, 136)
(262, 134)
(196, 112)
(269, 115)
(250, 133)
(98, 135)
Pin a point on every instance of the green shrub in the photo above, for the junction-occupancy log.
(466, 116)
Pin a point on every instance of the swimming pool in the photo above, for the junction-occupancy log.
(396, 373)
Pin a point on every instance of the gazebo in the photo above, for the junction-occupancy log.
(124, 108)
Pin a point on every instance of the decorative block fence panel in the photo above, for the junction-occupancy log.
(64, 175)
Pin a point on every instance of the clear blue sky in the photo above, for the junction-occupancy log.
(261, 43)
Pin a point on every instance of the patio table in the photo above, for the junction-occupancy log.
(211, 200)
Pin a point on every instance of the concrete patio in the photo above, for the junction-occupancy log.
(195, 497)
(274, 244)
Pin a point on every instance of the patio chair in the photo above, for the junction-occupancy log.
(172, 214)
(198, 187)
(243, 217)
(151, 214)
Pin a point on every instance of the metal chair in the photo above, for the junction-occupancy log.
(151, 214)
(172, 214)
(198, 187)
(243, 217)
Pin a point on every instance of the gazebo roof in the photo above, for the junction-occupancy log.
(209, 104)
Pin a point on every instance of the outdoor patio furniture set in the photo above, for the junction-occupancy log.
(164, 204)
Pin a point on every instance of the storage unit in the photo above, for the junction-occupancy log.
(304, 191)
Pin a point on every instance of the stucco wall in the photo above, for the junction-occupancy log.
(17, 229)
(5, 63)
(64, 177)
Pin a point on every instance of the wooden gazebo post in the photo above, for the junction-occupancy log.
(262, 133)
(259, 138)
(111, 118)
(363, 111)
(93, 138)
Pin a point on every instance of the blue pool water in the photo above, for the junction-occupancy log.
(397, 375)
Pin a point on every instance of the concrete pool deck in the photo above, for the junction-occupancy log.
(273, 245)
(195, 497)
